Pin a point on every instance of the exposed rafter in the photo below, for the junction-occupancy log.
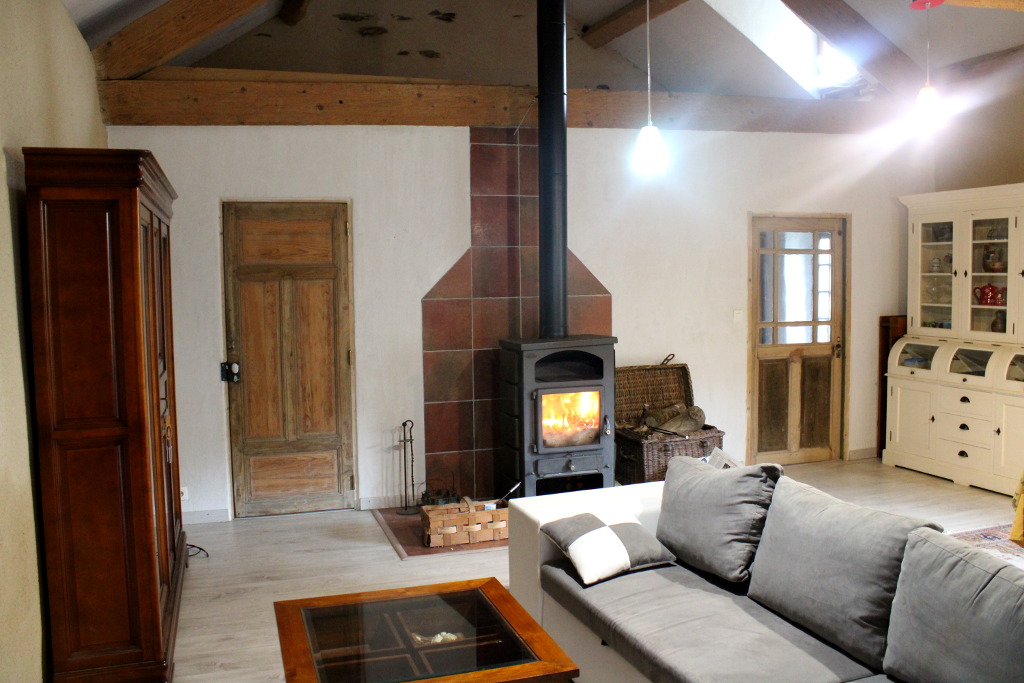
(164, 33)
(870, 50)
(1003, 62)
(271, 101)
(293, 11)
(625, 20)
(1015, 5)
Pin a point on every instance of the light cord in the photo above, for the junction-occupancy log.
(647, 27)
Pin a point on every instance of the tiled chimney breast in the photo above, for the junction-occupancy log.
(490, 294)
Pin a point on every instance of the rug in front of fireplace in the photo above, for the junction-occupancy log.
(994, 540)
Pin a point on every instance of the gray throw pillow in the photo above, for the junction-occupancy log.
(831, 566)
(958, 615)
(711, 518)
(606, 544)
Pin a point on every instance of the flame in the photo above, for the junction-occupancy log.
(570, 419)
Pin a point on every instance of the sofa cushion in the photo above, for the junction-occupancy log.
(831, 566)
(606, 544)
(711, 518)
(958, 614)
(676, 624)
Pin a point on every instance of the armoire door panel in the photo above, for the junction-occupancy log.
(98, 569)
(81, 255)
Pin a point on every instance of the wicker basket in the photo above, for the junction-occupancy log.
(642, 455)
(467, 521)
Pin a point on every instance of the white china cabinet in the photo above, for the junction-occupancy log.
(955, 400)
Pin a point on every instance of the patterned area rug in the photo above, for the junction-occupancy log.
(995, 540)
(405, 532)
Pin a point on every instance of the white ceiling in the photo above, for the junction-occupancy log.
(693, 49)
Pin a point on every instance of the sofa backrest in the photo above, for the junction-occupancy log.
(831, 566)
(958, 615)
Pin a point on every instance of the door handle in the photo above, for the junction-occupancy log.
(606, 426)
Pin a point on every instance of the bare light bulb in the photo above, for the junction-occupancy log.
(650, 154)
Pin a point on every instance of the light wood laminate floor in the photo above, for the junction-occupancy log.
(227, 630)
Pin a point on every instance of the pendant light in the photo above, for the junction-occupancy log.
(928, 96)
(650, 155)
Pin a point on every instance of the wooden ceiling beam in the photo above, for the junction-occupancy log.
(994, 64)
(870, 50)
(271, 102)
(293, 11)
(1015, 5)
(625, 20)
(164, 33)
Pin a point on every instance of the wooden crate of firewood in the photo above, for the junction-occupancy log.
(468, 521)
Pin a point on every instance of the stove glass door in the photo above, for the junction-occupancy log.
(570, 419)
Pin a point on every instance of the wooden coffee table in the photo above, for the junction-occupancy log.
(469, 631)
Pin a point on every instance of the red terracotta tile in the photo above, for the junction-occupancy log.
(485, 475)
(590, 315)
(494, 319)
(448, 426)
(581, 280)
(484, 424)
(495, 271)
(447, 324)
(485, 374)
(527, 136)
(494, 221)
(530, 317)
(493, 136)
(447, 376)
(529, 221)
(456, 283)
(528, 171)
(444, 473)
(493, 170)
(528, 274)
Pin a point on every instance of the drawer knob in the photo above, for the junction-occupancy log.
(962, 454)
(572, 468)
(965, 399)
(964, 427)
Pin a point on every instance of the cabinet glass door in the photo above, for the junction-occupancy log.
(989, 294)
(935, 276)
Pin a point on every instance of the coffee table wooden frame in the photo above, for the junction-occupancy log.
(553, 664)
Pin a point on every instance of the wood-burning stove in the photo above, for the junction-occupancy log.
(556, 413)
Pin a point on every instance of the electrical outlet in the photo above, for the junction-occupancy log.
(184, 493)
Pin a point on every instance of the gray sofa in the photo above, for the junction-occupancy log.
(775, 581)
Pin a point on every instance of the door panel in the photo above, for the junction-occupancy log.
(798, 309)
(288, 304)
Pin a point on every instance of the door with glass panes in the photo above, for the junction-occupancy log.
(798, 313)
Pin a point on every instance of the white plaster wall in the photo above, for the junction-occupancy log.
(409, 194)
(47, 98)
(672, 251)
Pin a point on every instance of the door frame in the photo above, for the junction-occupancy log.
(752, 326)
(346, 339)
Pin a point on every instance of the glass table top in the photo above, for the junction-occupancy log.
(411, 638)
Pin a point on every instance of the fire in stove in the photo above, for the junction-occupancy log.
(570, 419)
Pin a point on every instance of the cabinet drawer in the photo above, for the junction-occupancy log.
(964, 455)
(567, 464)
(965, 428)
(965, 402)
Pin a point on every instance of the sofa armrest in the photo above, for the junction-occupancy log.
(528, 548)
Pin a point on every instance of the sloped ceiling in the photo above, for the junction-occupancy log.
(695, 54)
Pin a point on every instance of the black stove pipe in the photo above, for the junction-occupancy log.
(551, 119)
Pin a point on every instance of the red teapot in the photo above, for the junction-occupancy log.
(986, 295)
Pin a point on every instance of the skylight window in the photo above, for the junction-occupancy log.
(789, 42)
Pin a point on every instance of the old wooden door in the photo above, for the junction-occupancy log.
(288, 307)
(798, 314)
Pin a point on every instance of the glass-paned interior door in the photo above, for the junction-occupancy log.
(798, 303)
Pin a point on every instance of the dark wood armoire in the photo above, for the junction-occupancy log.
(97, 263)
